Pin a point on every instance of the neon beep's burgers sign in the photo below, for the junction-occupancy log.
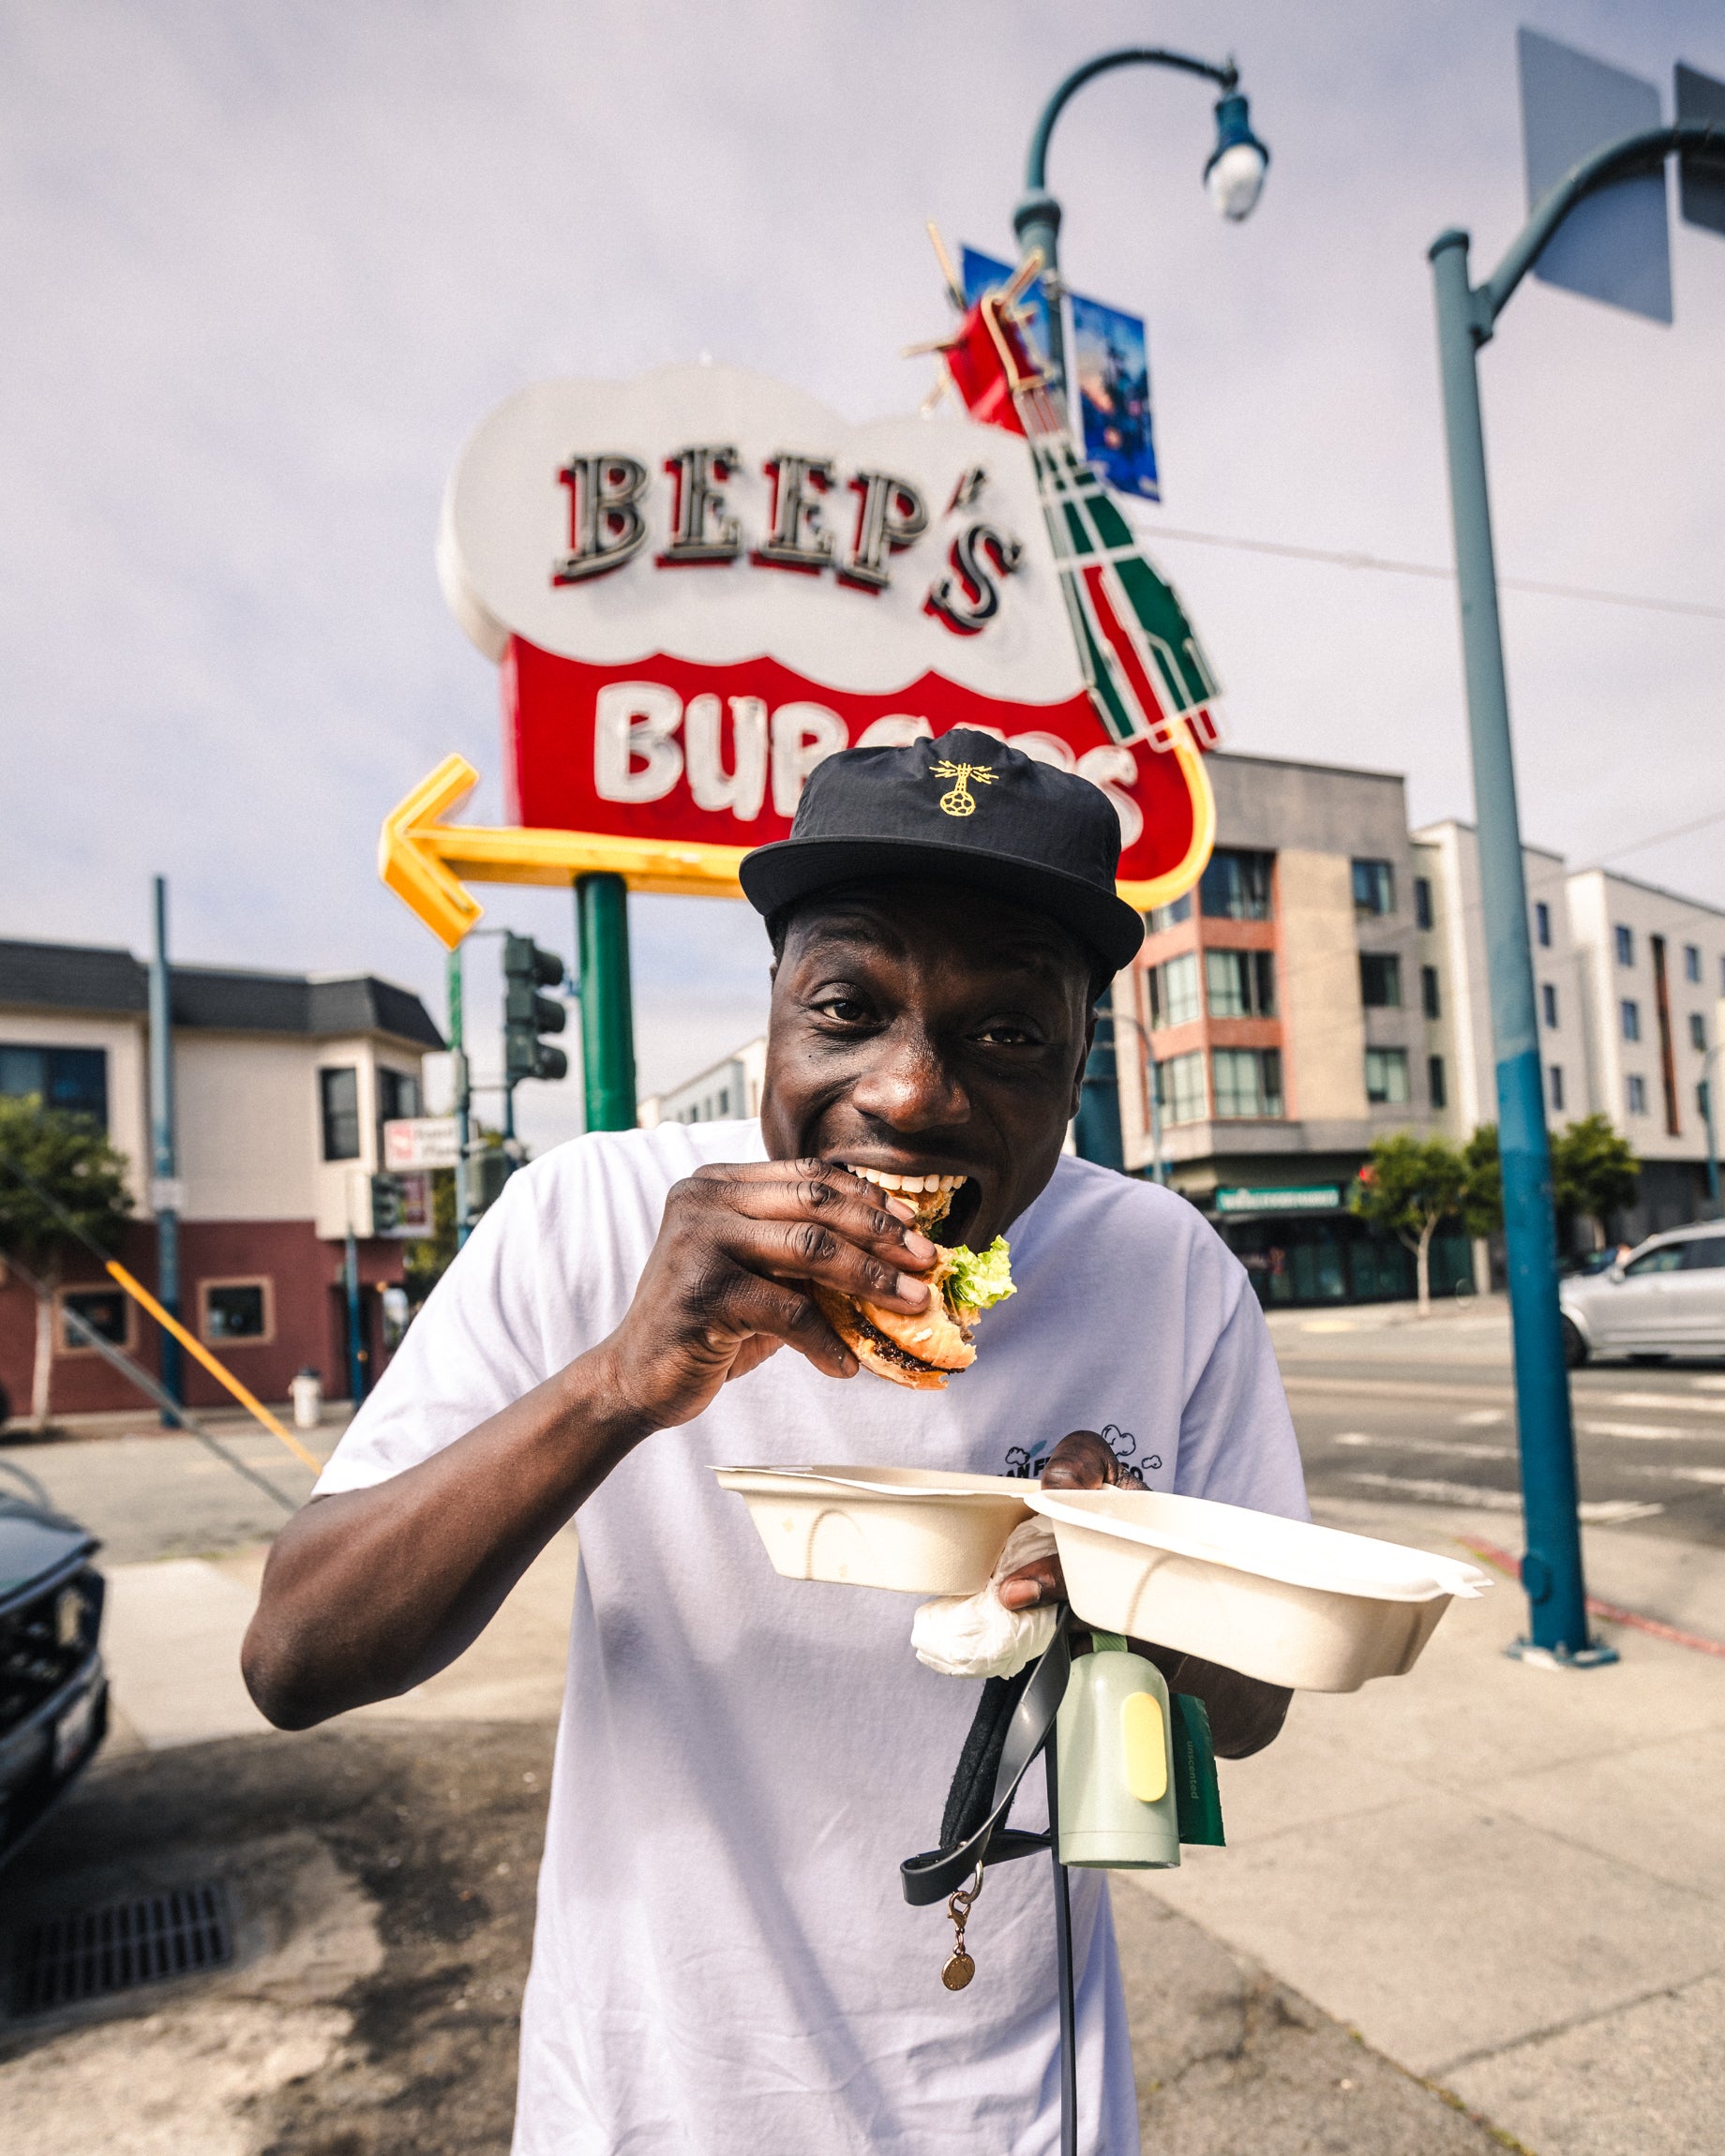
(699, 585)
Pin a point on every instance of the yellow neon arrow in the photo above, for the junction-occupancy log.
(424, 860)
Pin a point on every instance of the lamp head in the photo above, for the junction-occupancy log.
(1234, 174)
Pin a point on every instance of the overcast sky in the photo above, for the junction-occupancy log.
(265, 265)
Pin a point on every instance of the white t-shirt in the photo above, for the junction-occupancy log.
(724, 1964)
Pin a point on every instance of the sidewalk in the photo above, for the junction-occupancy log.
(1510, 1879)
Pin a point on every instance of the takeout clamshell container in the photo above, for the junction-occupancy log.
(1281, 1600)
(909, 1528)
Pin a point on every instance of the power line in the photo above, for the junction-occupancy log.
(1386, 566)
(1660, 837)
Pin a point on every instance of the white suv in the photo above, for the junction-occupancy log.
(1668, 1298)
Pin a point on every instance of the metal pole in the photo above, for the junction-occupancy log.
(1063, 1962)
(1096, 1127)
(1708, 1060)
(356, 1354)
(1551, 1569)
(463, 1099)
(164, 1196)
(607, 1016)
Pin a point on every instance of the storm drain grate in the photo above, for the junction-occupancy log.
(92, 1953)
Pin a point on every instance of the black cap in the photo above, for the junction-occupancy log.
(963, 809)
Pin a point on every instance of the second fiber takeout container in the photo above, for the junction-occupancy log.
(1277, 1599)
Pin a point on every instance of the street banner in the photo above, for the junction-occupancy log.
(1110, 367)
(697, 585)
(1111, 372)
(982, 274)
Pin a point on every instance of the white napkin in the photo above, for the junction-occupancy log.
(977, 1635)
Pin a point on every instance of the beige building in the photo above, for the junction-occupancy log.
(1450, 917)
(282, 1084)
(729, 1092)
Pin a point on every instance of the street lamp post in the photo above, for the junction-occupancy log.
(1466, 317)
(1233, 175)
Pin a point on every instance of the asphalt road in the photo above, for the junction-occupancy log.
(1388, 1407)
(1391, 1408)
(156, 1493)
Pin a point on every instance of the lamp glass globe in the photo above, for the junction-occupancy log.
(1235, 179)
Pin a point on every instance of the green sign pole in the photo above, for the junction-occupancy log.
(607, 1015)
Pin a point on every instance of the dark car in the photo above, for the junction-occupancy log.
(54, 1692)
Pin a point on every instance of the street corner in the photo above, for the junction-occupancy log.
(351, 1917)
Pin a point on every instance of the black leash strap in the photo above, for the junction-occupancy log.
(938, 1873)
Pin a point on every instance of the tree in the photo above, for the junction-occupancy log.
(1484, 1210)
(1411, 1186)
(1594, 1172)
(73, 1165)
(426, 1260)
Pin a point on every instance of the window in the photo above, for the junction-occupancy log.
(1547, 1005)
(1698, 1033)
(397, 1095)
(107, 1312)
(1542, 924)
(1173, 991)
(1631, 1017)
(1435, 1084)
(1375, 886)
(339, 1092)
(1706, 1254)
(1692, 962)
(1380, 981)
(1240, 983)
(1179, 1088)
(1235, 887)
(237, 1311)
(1167, 916)
(1638, 1095)
(1247, 1082)
(1423, 915)
(1668, 1258)
(1386, 1077)
(1624, 940)
(72, 1079)
(1429, 997)
(1555, 1075)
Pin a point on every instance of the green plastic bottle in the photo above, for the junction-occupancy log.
(1115, 1749)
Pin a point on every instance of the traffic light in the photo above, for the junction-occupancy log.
(388, 1204)
(527, 1014)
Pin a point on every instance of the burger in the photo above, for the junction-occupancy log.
(922, 1349)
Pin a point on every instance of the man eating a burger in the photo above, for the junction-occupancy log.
(724, 1965)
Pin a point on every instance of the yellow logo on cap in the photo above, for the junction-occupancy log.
(960, 801)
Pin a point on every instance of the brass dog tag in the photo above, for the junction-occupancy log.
(959, 1968)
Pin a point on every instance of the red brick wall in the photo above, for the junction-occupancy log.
(305, 1275)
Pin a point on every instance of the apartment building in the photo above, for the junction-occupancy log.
(1325, 984)
(1449, 915)
(1628, 979)
(1651, 974)
(1277, 1013)
(728, 1092)
(282, 1084)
